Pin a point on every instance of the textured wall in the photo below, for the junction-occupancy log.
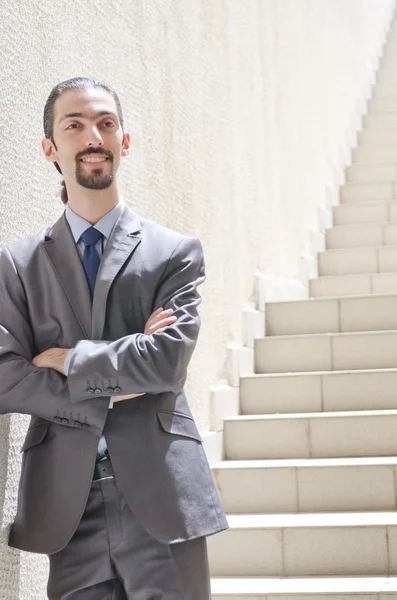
(237, 110)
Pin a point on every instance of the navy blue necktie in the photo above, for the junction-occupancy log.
(91, 258)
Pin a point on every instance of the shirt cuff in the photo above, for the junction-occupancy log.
(66, 364)
(111, 401)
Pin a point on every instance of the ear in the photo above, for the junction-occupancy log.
(49, 150)
(126, 144)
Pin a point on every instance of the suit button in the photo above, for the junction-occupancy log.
(117, 390)
(85, 425)
(110, 390)
(78, 423)
(64, 420)
(90, 390)
(98, 390)
(57, 419)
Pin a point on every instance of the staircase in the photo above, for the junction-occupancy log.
(309, 483)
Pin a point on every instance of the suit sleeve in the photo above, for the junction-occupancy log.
(25, 388)
(148, 363)
(66, 369)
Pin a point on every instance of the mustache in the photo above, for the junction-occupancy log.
(95, 151)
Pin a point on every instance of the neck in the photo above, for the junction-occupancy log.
(92, 205)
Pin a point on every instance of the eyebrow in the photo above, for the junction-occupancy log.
(101, 113)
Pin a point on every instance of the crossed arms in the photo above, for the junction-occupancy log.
(54, 358)
(137, 363)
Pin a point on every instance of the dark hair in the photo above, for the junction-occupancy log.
(48, 115)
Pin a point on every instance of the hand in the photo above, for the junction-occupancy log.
(54, 358)
(159, 320)
(156, 323)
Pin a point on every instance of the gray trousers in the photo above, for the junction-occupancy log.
(112, 557)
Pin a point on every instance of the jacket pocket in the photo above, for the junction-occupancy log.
(35, 435)
(178, 424)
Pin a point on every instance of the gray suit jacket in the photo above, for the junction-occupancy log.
(153, 441)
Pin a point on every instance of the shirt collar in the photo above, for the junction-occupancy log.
(105, 225)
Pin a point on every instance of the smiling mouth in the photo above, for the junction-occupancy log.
(97, 160)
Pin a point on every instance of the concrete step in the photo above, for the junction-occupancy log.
(382, 106)
(375, 154)
(386, 77)
(377, 173)
(304, 588)
(311, 435)
(330, 391)
(345, 544)
(353, 261)
(377, 137)
(388, 63)
(332, 315)
(368, 192)
(384, 91)
(356, 213)
(352, 285)
(389, 51)
(326, 352)
(380, 120)
(350, 236)
(307, 485)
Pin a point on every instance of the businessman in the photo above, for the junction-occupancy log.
(98, 322)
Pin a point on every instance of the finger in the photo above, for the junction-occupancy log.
(161, 314)
(155, 313)
(163, 322)
(127, 397)
(159, 331)
(155, 318)
(162, 325)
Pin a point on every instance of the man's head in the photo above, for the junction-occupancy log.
(84, 133)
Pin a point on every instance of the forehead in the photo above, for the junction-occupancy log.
(87, 101)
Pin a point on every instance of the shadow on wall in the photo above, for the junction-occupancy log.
(4, 434)
(9, 558)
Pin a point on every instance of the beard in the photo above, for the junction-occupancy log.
(95, 179)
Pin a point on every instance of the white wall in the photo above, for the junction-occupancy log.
(238, 111)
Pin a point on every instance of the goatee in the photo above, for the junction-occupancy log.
(95, 180)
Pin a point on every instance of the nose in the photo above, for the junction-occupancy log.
(93, 137)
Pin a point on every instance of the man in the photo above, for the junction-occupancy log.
(98, 321)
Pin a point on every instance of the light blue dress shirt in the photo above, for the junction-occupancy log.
(105, 225)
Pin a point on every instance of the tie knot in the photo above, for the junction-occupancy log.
(91, 236)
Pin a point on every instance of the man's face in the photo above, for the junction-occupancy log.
(88, 138)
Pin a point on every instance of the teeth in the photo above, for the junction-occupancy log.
(94, 159)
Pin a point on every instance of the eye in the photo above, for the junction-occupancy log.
(109, 123)
(72, 125)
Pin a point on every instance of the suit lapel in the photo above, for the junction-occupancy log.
(126, 236)
(60, 248)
